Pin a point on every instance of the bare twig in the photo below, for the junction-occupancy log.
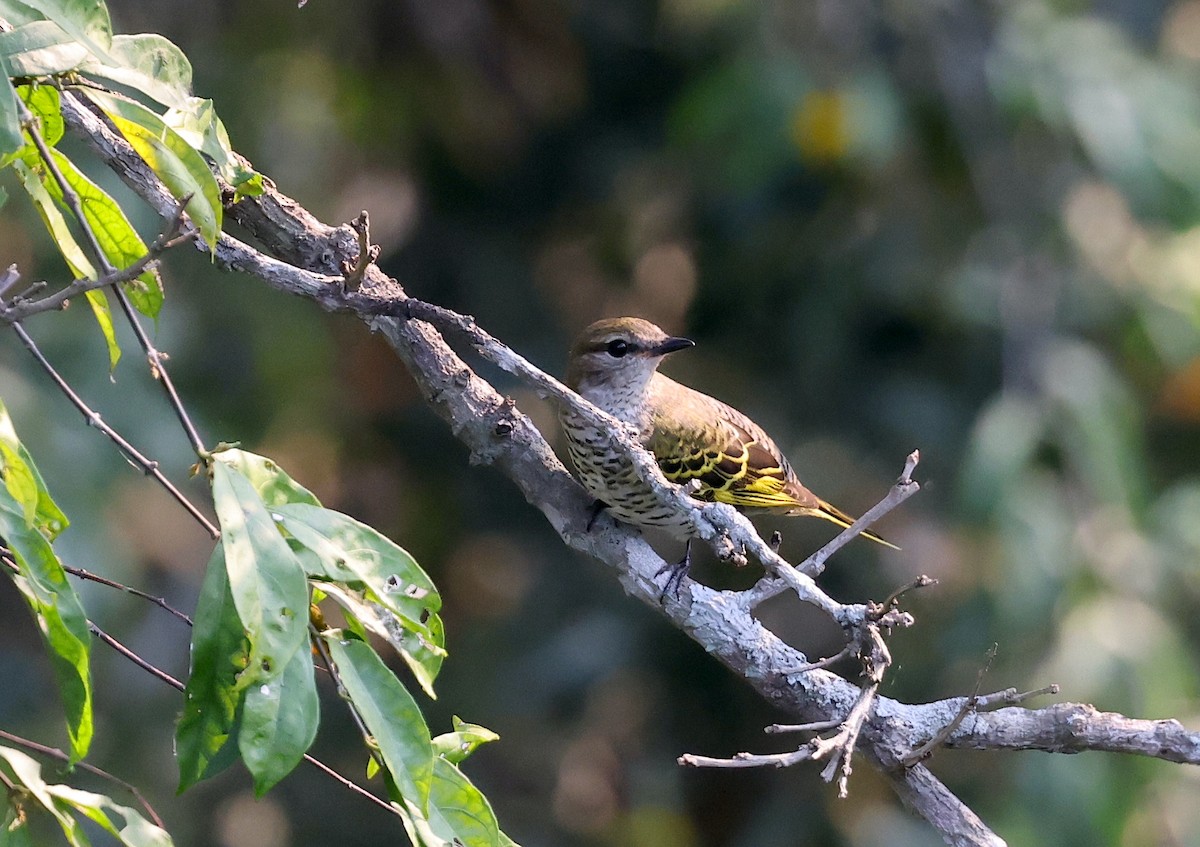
(923, 752)
(922, 581)
(10, 278)
(1012, 697)
(55, 753)
(23, 306)
(904, 488)
(134, 657)
(816, 726)
(7, 556)
(132, 455)
(771, 585)
(111, 583)
(838, 748)
(826, 662)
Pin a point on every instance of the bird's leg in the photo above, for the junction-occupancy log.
(598, 506)
(675, 573)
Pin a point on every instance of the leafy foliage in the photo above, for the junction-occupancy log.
(252, 692)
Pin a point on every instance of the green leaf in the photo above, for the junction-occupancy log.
(41, 48)
(279, 722)
(45, 104)
(84, 20)
(220, 652)
(134, 830)
(59, 614)
(46, 515)
(11, 137)
(24, 770)
(268, 586)
(458, 813)
(147, 63)
(72, 253)
(390, 713)
(118, 239)
(456, 746)
(273, 485)
(18, 479)
(423, 652)
(343, 550)
(102, 312)
(179, 165)
(197, 122)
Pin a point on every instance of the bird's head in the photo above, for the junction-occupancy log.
(619, 354)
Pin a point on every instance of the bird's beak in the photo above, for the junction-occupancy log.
(672, 344)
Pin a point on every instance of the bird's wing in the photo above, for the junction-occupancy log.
(696, 437)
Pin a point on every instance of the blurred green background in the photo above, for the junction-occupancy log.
(968, 228)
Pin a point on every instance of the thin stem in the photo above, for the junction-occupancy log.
(10, 278)
(904, 488)
(818, 726)
(70, 198)
(155, 358)
(353, 786)
(158, 601)
(134, 657)
(9, 559)
(148, 466)
(1012, 697)
(159, 371)
(327, 658)
(55, 753)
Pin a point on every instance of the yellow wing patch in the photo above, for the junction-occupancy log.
(734, 478)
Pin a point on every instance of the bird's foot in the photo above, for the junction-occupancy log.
(776, 541)
(598, 506)
(675, 571)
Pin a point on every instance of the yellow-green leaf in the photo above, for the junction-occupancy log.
(72, 253)
(41, 511)
(179, 165)
(118, 239)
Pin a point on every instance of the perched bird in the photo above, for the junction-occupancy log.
(614, 364)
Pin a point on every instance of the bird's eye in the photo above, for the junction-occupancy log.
(618, 347)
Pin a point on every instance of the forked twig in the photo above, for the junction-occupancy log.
(904, 487)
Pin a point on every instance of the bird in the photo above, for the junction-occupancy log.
(697, 440)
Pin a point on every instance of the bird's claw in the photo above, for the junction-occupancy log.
(676, 572)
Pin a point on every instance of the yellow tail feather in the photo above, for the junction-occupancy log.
(837, 516)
